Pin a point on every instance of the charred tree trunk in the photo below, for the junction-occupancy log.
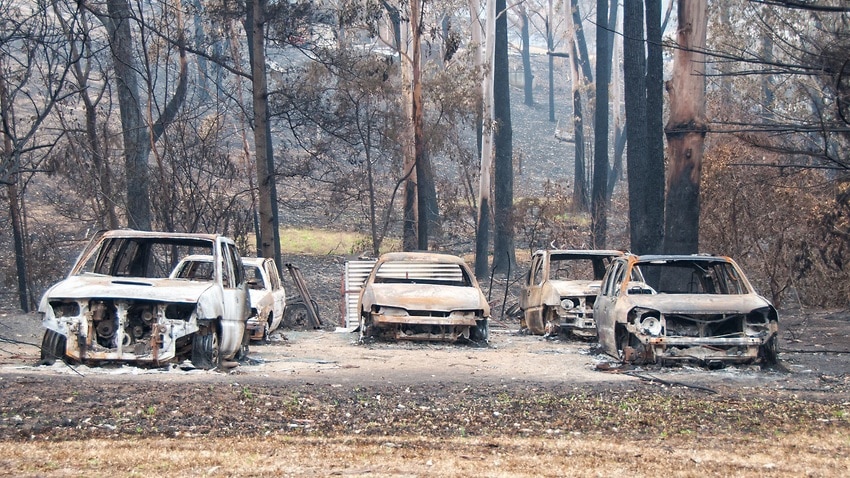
(14, 204)
(634, 68)
(578, 47)
(133, 128)
(654, 176)
(269, 240)
(422, 172)
(504, 255)
(482, 231)
(581, 43)
(686, 129)
(550, 46)
(599, 198)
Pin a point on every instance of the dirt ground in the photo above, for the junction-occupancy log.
(320, 403)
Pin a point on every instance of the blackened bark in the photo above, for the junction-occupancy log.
(686, 129)
(599, 201)
(504, 255)
(584, 57)
(269, 240)
(133, 129)
(654, 130)
(634, 68)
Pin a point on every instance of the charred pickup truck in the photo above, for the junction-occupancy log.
(684, 308)
(423, 296)
(118, 304)
(559, 290)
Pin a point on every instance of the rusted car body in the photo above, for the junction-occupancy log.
(423, 296)
(684, 308)
(559, 291)
(119, 303)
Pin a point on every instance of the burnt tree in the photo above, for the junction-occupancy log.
(504, 255)
(685, 130)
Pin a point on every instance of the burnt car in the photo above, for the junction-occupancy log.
(560, 289)
(684, 308)
(268, 296)
(423, 296)
(119, 303)
(265, 289)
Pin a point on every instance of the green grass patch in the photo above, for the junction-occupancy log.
(321, 242)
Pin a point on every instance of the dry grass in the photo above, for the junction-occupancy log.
(819, 454)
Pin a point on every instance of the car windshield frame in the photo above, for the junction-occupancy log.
(689, 276)
(142, 257)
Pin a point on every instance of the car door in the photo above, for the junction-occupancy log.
(531, 298)
(236, 304)
(603, 308)
(275, 286)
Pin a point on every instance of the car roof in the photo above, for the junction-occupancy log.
(421, 257)
(582, 252)
(132, 233)
(253, 261)
(682, 257)
(197, 258)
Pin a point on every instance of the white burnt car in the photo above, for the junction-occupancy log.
(265, 289)
(559, 290)
(423, 296)
(268, 296)
(684, 308)
(119, 303)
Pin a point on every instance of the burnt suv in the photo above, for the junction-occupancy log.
(559, 290)
(684, 308)
(118, 304)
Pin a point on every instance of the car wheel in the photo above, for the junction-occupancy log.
(52, 348)
(366, 329)
(770, 352)
(481, 331)
(265, 338)
(206, 353)
(296, 316)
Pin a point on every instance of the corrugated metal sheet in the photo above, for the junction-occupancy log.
(417, 271)
(356, 273)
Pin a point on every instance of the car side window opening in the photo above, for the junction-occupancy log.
(274, 278)
(254, 277)
(536, 275)
(232, 275)
(619, 277)
(608, 284)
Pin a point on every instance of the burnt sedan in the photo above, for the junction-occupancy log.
(423, 296)
(683, 308)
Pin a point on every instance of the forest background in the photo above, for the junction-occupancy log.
(366, 121)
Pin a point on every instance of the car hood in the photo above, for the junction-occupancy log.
(576, 287)
(427, 297)
(108, 287)
(702, 304)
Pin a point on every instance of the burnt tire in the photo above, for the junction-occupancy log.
(206, 350)
(296, 316)
(366, 329)
(52, 348)
(770, 352)
(481, 332)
